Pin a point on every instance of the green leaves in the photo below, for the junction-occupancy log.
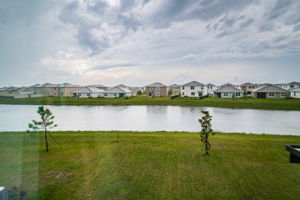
(206, 130)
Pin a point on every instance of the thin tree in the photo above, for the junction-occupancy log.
(44, 125)
(206, 130)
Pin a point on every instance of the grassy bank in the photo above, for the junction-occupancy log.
(251, 103)
(149, 165)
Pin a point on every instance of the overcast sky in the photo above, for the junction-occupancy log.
(137, 42)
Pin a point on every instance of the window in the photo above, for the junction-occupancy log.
(88, 94)
(283, 94)
(157, 88)
(157, 94)
(294, 93)
(271, 94)
(115, 95)
(183, 87)
(225, 94)
(193, 93)
(238, 94)
(192, 87)
(105, 94)
(201, 88)
(182, 93)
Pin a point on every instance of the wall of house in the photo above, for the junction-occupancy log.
(85, 95)
(158, 91)
(67, 91)
(295, 94)
(116, 95)
(210, 91)
(230, 95)
(277, 95)
(188, 91)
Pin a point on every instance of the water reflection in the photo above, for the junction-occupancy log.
(153, 118)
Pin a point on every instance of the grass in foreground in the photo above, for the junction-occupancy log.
(149, 165)
(251, 103)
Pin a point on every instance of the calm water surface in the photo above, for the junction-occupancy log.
(153, 118)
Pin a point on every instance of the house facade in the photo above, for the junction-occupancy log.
(228, 91)
(249, 87)
(88, 92)
(210, 88)
(47, 89)
(270, 91)
(295, 93)
(156, 90)
(174, 89)
(67, 89)
(193, 89)
(117, 92)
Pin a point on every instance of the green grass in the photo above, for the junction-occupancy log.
(149, 165)
(251, 103)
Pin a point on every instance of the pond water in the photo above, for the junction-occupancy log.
(153, 118)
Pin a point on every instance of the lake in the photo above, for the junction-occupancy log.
(153, 118)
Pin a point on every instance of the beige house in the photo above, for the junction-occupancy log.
(67, 89)
(47, 89)
(270, 91)
(174, 89)
(156, 90)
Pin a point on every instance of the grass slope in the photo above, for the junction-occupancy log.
(270, 104)
(149, 165)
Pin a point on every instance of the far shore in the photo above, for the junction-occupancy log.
(244, 103)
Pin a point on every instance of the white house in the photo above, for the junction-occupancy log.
(117, 92)
(193, 89)
(88, 92)
(228, 91)
(210, 88)
(295, 93)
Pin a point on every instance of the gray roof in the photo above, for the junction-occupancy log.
(98, 86)
(118, 90)
(174, 85)
(296, 89)
(247, 84)
(193, 83)
(47, 85)
(121, 85)
(28, 90)
(88, 90)
(67, 85)
(270, 88)
(156, 84)
(210, 84)
(228, 88)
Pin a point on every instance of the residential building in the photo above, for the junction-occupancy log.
(270, 91)
(99, 86)
(47, 89)
(295, 93)
(156, 90)
(88, 92)
(174, 89)
(67, 89)
(228, 91)
(210, 88)
(193, 89)
(117, 92)
(248, 87)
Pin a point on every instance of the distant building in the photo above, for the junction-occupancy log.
(270, 91)
(156, 90)
(210, 88)
(249, 87)
(193, 89)
(117, 92)
(174, 89)
(99, 86)
(47, 89)
(67, 89)
(228, 91)
(295, 93)
(88, 92)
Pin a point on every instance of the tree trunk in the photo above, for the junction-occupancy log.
(46, 140)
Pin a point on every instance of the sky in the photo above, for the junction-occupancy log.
(137, 42)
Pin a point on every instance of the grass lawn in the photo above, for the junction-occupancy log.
(269, 104)
(149, 165)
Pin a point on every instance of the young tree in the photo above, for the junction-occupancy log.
(206, 130)
(44, 125)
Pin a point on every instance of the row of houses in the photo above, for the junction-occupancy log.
(156, 89)
(196, 89)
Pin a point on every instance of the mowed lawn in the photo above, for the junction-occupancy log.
(269, 104)
(149, 165)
